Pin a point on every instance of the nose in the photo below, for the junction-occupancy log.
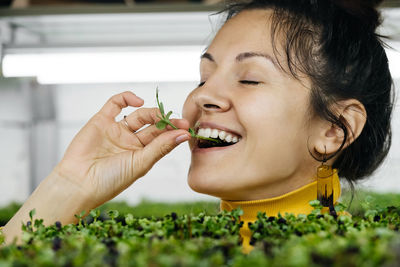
(209, 99)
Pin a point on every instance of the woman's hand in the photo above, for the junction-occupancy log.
(103, 159)
(106, 157)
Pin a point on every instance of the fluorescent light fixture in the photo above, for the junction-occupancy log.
(157, 64)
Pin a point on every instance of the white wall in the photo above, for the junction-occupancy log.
(14, 142)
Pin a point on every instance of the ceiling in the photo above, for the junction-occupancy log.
(167, 25)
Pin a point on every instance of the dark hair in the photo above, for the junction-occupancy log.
(334, 43)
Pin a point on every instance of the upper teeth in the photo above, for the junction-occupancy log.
(214, 133)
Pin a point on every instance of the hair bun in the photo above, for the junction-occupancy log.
(365, 10)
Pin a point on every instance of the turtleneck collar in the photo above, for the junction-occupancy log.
(296, 202)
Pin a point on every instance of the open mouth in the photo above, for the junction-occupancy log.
(225, 138)
(207, 144)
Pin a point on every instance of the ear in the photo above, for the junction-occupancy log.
(330, 137)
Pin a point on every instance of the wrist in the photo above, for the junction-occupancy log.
(55, 199)
(63, 197)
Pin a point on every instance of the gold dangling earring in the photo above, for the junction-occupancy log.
(325, 192)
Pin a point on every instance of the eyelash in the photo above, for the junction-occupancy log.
(249, 82)
(243, 81)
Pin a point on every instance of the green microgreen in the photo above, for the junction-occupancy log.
(203, 239)
(164, 121)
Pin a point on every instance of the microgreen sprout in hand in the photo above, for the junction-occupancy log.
(164, 121)
(164, 118)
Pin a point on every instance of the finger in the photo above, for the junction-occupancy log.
(158, 148)
(180, 124)
(148, 134)
(143, 116)
(117, 102)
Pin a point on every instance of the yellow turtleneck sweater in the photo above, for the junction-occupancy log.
(296, 202)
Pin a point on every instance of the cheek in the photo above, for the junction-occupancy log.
(262, 113)
(275, 128)
(274, 111)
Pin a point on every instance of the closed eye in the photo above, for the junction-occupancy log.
(249, 82)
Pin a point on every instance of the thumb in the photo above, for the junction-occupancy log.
(159, 147)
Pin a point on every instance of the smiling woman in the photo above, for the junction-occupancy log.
(289, 88)
(276, 76)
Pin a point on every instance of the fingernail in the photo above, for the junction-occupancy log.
(182, 138)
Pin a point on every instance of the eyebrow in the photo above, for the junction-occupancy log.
(243, 56)
(207, 56)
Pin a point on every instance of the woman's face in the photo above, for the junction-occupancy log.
(244, 93)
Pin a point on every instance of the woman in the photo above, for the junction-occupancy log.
(286, 84)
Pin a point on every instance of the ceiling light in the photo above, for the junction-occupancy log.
(160, 64)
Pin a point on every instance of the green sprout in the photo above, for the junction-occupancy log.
(164, 121)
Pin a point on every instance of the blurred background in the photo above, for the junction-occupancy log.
(61, 60)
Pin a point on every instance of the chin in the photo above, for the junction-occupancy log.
(209, 186)
(199, 185)
(202, 185)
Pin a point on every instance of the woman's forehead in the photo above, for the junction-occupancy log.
(250, 30)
